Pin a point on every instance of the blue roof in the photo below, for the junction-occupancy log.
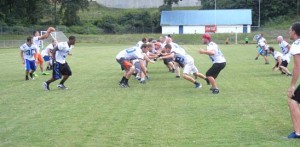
(206, 17)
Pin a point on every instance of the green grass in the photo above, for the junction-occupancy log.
(251, 109)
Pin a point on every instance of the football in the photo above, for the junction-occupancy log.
(50, 29)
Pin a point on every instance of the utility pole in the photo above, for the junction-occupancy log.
(259, 13)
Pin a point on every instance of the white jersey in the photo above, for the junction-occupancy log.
(63, 50)
(262, 43)
(45, 51)
(284, 47)
(28, 51)
(37, 42)
(277, 54)
(177, 47)
(295, 48)
(218, 57)
(139, 44)
(130, 54)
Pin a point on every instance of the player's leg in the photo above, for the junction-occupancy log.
(212, 75)
(66, 72)
(266, 56)
(177, 69)
(32, 67)
(295, 113)
(190, 68)
(55, 75)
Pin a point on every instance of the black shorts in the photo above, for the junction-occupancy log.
(284, 63)
(296, 96)
(167, 60)
(215, 70)
(61, 69)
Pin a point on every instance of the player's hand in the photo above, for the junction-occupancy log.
(147, 77)
(291, 91)
(23, 62)
(201, 51)
(50, 29)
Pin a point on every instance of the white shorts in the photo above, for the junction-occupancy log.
(189, 67)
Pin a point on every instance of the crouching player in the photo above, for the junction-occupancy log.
(186, 62)
(125, 56)
(280, 62)
(27, 55)
(60, 66)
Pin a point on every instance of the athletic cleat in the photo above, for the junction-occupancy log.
(61, 86)
(46, 86)
(142, 82)
(173, 70)
(123, 85)
(215, 91)
(34, 74)
(267, 63)
(198, 85)
(293, 135)
(45, 73)
(289, 75)
(207, 81)
(177, 77)
(256, 58)
(26, 78)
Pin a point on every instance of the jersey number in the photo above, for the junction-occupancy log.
(130, 50)
(179, 60)
(29, 52)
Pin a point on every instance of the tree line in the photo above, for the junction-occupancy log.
(65, 12)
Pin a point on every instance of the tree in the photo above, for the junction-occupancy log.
(268, 8)
(167, 6)
(69, 10)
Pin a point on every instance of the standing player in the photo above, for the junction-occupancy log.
(294, 95)
(60, 66)
(263, 48)
(27, 55)
(217, 58)
(37, 42)
(47, 54)
(125, 57)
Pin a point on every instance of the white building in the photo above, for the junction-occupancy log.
(125, 4)
(206, 21)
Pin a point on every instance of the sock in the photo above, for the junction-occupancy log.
(297, 134)
(62, 82)
(123, 79)
(126, 80)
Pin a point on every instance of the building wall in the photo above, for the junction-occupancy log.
(170, 29)
(144, 3)
(201, 29)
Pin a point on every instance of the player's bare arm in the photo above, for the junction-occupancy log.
(210, 52)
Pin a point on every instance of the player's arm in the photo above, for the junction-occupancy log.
(147, 58)
(288, 47)
(167, 56)
(22, 57)
(207, 52)
(45, 36)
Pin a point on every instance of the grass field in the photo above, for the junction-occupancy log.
(251, 109)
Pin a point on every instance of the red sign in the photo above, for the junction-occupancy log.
(210, 28)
